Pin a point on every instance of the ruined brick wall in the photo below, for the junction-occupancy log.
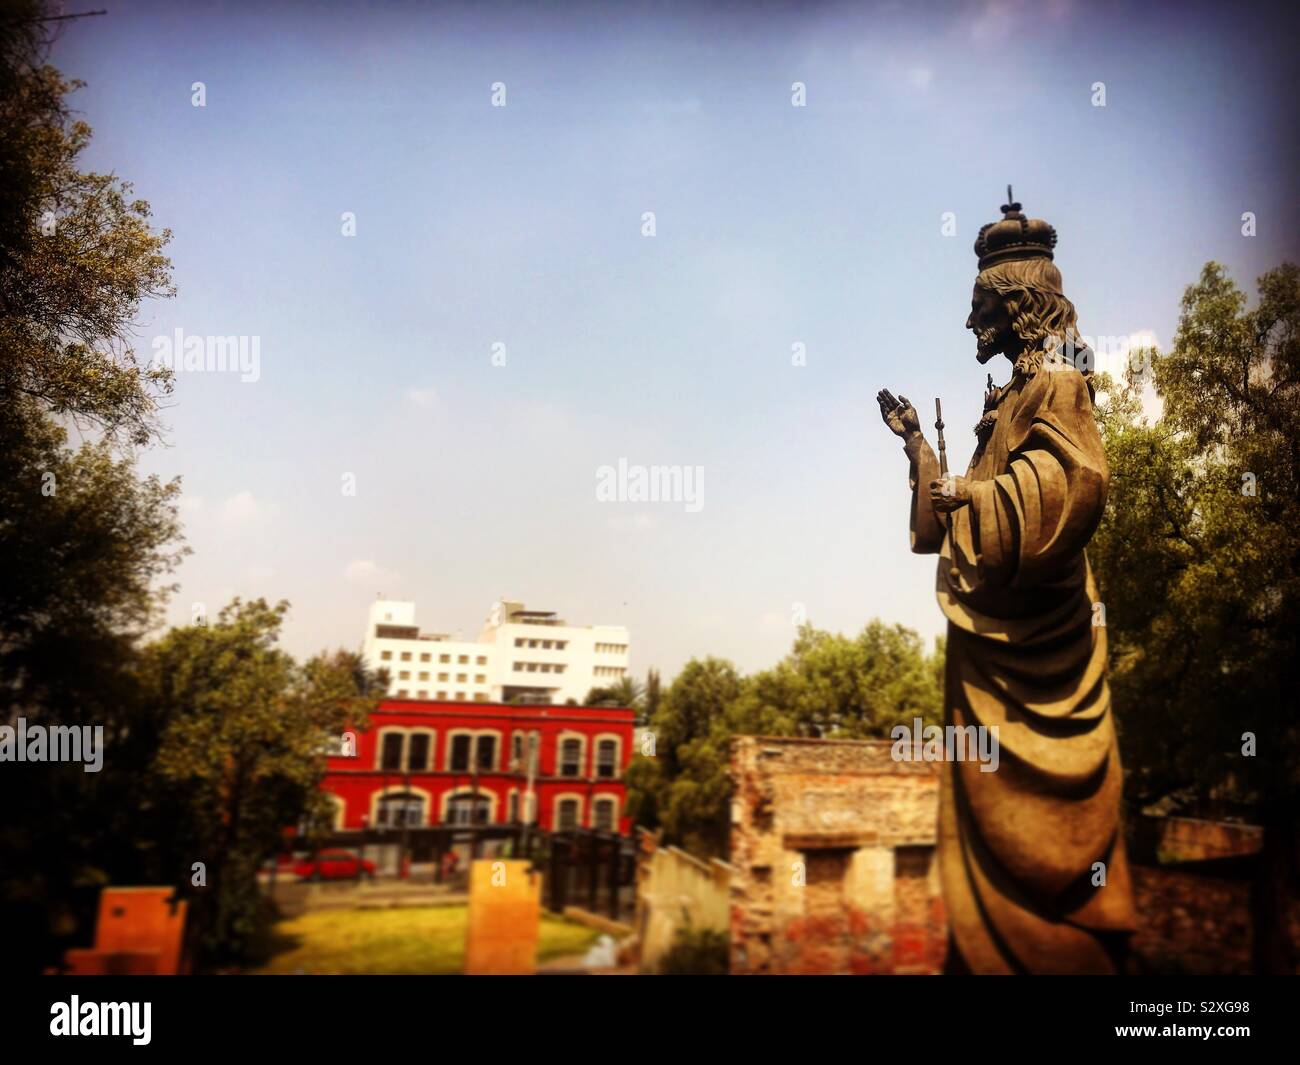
(1195, 922)
(833, 856)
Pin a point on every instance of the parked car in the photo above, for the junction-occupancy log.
(335, 865)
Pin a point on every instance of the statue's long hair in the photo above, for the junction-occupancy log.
(1040, 314)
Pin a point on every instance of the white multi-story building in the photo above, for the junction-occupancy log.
(525, 654)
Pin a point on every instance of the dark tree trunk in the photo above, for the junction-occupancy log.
(1274, 890)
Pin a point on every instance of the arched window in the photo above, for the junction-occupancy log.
(571, 758)
(567, 815)
(401, 808)
(607, 758)
(468, 810)
(392, 751)
(603, 815)
(460, 746)
(417, 754)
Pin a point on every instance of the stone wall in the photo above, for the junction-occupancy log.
(1190, 922)
(833, 859)
(675, 892)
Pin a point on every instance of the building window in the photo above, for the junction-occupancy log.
(481, 660)
(607, 758)
(442, 695)
(460, 697)
(406, 656)
(462, 660)
(402, 693)
(424, 657)
(567, 819)
(417, 754)
(422, 694)
(487, 752)
(461, 678)
(571, 758)
(514, 807)
(444, 658)
(480, 678)
(444, 677)
(602, 815)
(404, 675)
(460, 753)
(519, 641)
(480, 697)
(386, 656)
(392, 752)
(400, 809)
(424, 675)
(560, 645)
(517, 751)
(467, 810)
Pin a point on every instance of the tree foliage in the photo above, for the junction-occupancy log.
(241, 752)
(77, 253)
(829, 685)
(1198, 558)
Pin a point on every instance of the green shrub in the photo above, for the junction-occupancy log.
(697, 952)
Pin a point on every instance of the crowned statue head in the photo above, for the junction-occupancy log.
(1018, 307)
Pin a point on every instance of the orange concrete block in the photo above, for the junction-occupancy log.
(112, 963)
(504, 918)
(141, 920)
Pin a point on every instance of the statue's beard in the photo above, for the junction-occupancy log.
(988, 342)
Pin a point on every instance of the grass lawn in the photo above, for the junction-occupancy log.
(399, 940)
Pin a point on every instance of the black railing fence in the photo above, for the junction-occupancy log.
(580, 867)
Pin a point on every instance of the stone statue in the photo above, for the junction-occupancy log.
(1032, 860)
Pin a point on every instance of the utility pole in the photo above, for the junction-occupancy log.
(473, 801)
(528, 790)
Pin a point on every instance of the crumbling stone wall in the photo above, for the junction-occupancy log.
(833, 856)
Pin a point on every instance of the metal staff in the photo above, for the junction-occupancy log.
(943, 450)
(943, 473)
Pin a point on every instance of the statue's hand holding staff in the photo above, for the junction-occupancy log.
(949, 493)
(898, 414)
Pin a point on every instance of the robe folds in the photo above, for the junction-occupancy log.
(1018, 847)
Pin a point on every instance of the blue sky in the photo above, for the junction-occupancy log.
(522, 225)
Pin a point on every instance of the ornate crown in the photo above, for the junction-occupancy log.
(1015, 237)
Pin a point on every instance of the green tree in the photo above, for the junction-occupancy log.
(77, 252)
(842, 687)
(86, 544)
(1198, 559)
(828, 685)
(627, 692)
(242, 752)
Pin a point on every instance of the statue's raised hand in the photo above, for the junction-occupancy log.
(898, 414)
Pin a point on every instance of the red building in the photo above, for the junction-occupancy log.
(427, 764)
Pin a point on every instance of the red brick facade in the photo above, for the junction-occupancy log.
(431, 763)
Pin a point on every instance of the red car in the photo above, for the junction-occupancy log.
(335, 865)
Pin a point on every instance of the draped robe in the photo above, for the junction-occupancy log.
(1027, 655)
